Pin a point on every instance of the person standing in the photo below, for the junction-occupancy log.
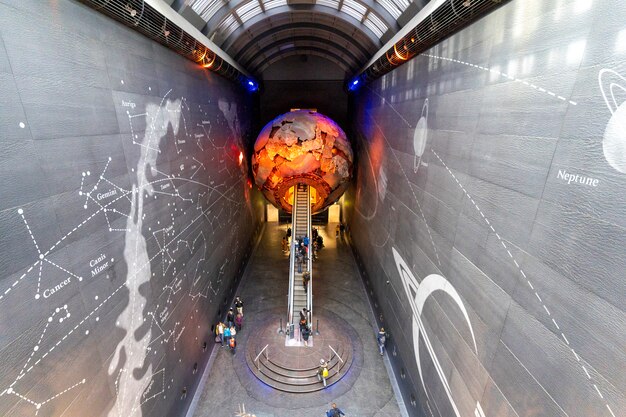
(239, 305)
(219, 330)
(304, 314)
(306, 277)
(239, 321)
(232, 343)
(227, 336)
(382, 339)
(230, 317)
(334, 411)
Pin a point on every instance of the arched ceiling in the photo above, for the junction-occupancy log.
(257, 33)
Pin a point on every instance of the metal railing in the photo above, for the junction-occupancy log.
(309, 297)
(267, 357)
(292, 266)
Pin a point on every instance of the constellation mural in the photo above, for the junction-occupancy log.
(507, 264)
(176, 257)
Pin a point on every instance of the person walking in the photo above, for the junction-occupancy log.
(306, 333)
(382, 339)
(239, 321)
(239, 305)
(227, 336)
(232, 344)
(334, 411)
(322, 372)
(219, 331)
(230, 317)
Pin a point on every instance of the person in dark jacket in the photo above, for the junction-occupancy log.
(239, 305)
(306, 333)
(334, 411)
(230, 317)
(306, 276)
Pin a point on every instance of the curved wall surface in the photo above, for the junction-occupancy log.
(489, 214)
(125, 215)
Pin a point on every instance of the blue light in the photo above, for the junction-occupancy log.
(354, 84)
(251, 85)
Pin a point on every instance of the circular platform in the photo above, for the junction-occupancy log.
(287, 365)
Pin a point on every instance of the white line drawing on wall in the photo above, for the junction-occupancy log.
(381, 184)
(130, 354)
(418, 293)
(420, 136)
(505, 75)
(614, 141)
(558, 330)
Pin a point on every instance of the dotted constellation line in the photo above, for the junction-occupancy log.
(530, 285)
(505, 75)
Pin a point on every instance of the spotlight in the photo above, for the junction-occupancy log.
(252, 86)
(354, 84)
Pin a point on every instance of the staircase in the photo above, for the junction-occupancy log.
(301, 226)
(277, 372)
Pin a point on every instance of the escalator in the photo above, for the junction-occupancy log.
(299, 265)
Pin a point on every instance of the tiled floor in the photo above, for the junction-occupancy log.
(364, 391)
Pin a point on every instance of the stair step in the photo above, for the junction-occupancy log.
(301, 380)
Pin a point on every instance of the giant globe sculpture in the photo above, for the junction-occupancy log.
(306, 147)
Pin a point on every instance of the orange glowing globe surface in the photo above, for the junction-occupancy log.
(306, 147)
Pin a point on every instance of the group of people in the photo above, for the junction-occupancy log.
(301, 244)
(225, 333)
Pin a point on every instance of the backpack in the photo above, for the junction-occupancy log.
(232, 342)
(325, 373)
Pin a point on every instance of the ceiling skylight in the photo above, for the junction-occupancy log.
(206, 8)
(354, 9)
(394, 7)
(228, 25)
(274, 3)
(375, 24)
(249, 10)
(329, 3)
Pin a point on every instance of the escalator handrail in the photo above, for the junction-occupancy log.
(292, 264)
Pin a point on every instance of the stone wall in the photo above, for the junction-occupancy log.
(489, 214)
(126, 216)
